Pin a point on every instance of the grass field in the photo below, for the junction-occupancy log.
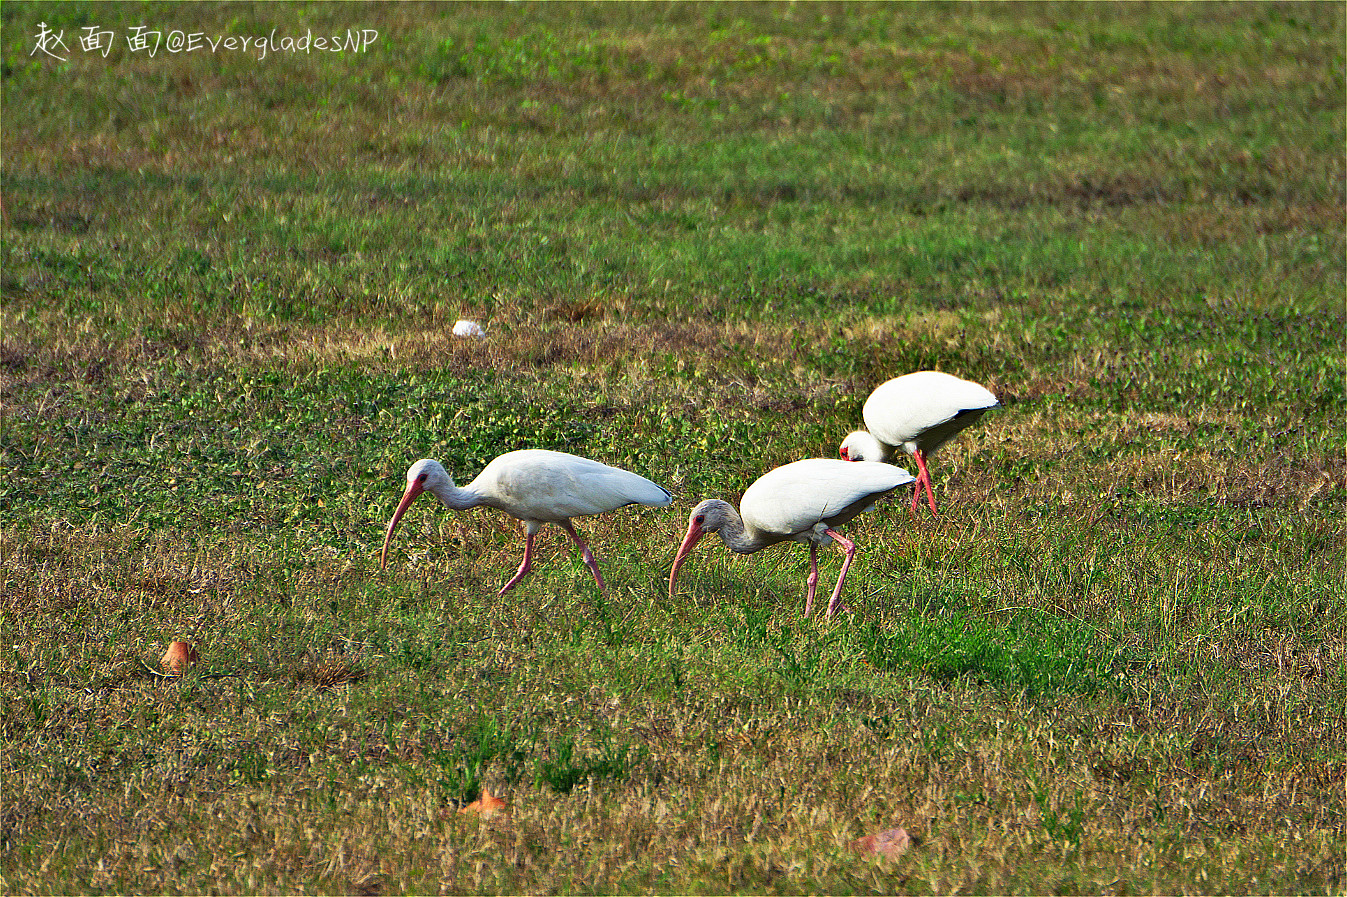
(697, 236)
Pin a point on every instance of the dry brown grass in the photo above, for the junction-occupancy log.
(781, 803)
(737, 791)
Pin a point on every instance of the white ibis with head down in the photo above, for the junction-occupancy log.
(804, 501)
(537, 486)
(918, 413)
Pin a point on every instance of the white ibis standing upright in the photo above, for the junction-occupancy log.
(803, 501)
(918, 413)
(536, 486)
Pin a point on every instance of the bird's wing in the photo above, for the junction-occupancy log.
(794, 498)
(536, 484)
(924, 409)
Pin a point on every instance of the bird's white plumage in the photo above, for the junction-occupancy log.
(546, 486)
(801, 501)
(537, 486)
(923, 410)
(791, 500)
(918, 413)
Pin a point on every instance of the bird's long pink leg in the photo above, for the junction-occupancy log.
(850, 548)
(812, 581)
(525, 567)
(586, 554)
(923, 478)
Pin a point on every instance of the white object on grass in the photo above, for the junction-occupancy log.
(802, 501)
(536, 486)
(917, 413)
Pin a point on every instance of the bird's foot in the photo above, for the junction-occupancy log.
(514, 581)
(839, 609)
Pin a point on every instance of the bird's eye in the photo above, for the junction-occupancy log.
(701, 518)
(422, 477)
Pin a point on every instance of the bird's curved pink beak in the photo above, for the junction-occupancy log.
(693, 536)
(413, 489)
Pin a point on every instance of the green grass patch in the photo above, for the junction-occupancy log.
(1035, 655)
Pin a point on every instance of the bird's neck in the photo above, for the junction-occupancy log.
(737, 537)
(456, 497)
(882, 451)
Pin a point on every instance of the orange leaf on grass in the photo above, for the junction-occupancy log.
(487, 805)
(178, 657)
(891, 843)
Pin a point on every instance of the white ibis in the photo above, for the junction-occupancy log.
(803, 501)
(919, 413)
(536, 486)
